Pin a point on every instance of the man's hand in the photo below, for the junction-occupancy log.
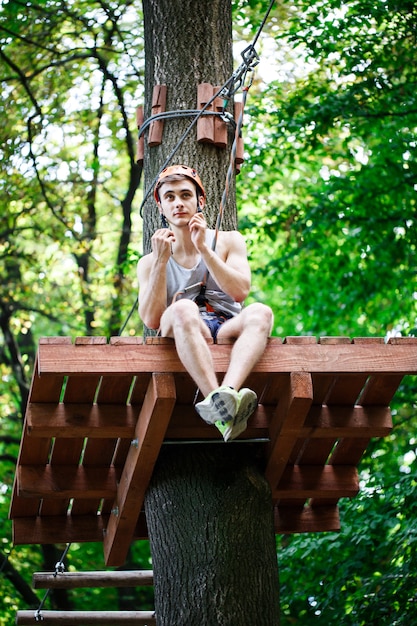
(161, 241)
(198, 227)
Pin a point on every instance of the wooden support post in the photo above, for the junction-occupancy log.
(85, 618)
(205, 123)
(77, 580)
(159, 99)
(150, 432)
(141, 140)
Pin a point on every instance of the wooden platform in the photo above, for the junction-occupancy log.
(99, 412)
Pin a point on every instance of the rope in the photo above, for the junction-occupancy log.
(166, 115)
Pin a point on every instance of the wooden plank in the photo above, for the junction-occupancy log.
(348, 451)
(58, 482)
(67, 529)
(58, 529)
(380, 389)
(85, 618)
(310, 481)
(150, 431)
(48, 389)
(346, 421)
(322, 383)
(86, 580)
(140, 387)
(127, 340)
(186, 424)
(289, 418)
(307, 519)
(81, 420)
(65, 453)
(113, 391)
(346, 389)
(314, 358)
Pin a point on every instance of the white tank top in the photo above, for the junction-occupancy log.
(187, 284)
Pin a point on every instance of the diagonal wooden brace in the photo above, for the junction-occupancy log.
(149, 434)
(287, 423)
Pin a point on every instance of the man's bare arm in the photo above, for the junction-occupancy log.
(228, 265)
(151, 273)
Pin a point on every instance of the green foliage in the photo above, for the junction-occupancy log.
(334, 172)
(327, 202)
(366, 574)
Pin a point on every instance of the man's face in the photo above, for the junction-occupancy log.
(178, 201)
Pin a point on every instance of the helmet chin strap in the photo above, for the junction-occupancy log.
(164, 221)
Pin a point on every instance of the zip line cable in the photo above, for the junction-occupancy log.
(227, 90)
(59, 568)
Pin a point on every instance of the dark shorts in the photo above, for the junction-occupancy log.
(213, 321)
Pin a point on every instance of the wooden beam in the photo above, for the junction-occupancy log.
(85, 618)
(100, 579)
(347, 421)
(67, 529)
(150, 432)
(81, 420)
(278, 357)
(66, 481)
(311, 481)
(58, 529)
(308, 519)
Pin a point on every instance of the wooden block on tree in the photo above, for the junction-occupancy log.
(205, 123)
(159, 99)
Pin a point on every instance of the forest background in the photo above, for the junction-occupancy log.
(326, 200)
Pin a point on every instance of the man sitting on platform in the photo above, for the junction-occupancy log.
(190, 291)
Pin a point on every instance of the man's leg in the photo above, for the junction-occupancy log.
(182, 322)
(251, 329)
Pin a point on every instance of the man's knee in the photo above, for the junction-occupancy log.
(260, 316)
(184, 312)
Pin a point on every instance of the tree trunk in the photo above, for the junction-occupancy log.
(187, 43)
(209, 508)
(211, 529)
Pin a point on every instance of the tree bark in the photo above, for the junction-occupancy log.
(211, 529)
(187, 43)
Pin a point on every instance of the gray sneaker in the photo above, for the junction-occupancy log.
(220, 405)
(248, 402)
